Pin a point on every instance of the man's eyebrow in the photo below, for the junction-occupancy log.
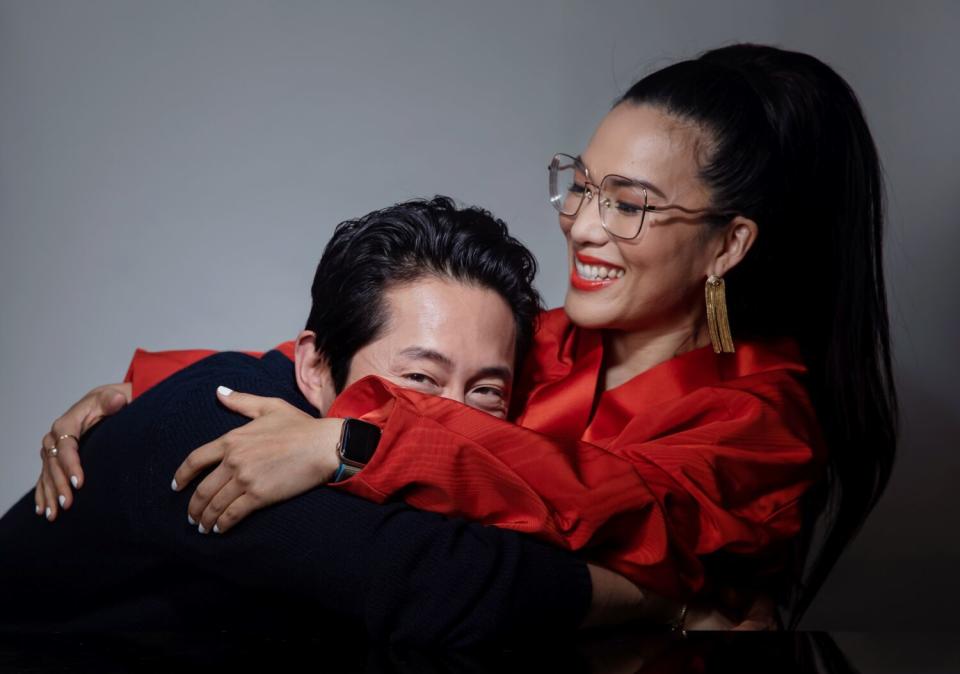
(427, 354)
(494, 372)
(646, 183)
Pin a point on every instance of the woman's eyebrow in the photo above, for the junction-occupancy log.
(646, 183)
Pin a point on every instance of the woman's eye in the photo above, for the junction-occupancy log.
(489, 392)
(577, 188)
(627, 208)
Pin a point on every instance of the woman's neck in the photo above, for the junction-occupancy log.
(627, 354)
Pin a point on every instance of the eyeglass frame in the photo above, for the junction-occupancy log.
(553, 169)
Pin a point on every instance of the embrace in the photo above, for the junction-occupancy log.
(690, 441)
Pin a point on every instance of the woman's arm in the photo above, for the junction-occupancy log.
(614, 598)
(648, 508)
(658, 512)
(724, 472)
(149, 368)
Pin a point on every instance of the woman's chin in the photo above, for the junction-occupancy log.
(587, 312)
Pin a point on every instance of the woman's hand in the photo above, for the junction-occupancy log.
(53, 487)
(283, 452)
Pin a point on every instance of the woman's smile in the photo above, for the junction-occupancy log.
(590, 273)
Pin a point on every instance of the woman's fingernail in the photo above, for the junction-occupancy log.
(216, 528)
(49, 512)
(75, 481)
(38, 509)
(224, 391)
(202, 529)
(62, 499)
(173, 485)
(192, 521)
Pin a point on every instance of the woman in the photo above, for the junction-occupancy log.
(686, 440)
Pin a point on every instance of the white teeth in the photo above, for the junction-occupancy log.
(594, 272)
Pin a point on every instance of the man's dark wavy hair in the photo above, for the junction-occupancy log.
(404, 243)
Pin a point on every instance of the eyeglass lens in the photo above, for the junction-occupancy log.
(621, 202)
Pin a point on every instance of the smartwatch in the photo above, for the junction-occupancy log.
(358, 442)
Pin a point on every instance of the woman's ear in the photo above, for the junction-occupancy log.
(736, 241)
(313, 373)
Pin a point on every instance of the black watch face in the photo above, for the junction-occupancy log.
(361, 454)
(360, 441)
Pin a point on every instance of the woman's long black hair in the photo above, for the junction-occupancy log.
(788, 147)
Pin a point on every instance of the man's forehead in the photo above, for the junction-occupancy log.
(449, 321)
(431, 303)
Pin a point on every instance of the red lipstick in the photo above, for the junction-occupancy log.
(586, 259)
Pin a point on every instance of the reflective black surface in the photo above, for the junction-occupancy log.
(608, 653)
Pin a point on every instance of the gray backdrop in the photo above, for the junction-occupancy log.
(170, 171)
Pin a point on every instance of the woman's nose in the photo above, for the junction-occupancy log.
(587, 228)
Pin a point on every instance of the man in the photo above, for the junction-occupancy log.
(422, 293)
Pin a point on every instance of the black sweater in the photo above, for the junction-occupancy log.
(124, 556)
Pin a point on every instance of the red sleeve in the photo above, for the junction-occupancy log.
(728, 476)
(148, 368)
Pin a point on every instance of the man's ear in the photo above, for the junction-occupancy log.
(313, 373)
(736, 241)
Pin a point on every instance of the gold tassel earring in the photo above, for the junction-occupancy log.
(717, 319)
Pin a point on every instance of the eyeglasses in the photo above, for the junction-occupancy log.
(623, 202)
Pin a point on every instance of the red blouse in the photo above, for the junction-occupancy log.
(699, 454)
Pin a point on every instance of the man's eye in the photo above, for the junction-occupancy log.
(489, 391)
(419, 378)
(489, 399)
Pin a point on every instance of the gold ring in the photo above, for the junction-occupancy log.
(67, 435)
(53, 451)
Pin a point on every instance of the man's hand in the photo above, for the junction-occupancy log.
(760, 616)
(282, 453)
(617, 600)
(53, 487)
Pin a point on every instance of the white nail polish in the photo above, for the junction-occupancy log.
(48, 512)
(36, 509)
(173, 485)
(216, 528)
(75, 481)
(224, 391)
(201, 528)
(192, 521)
(62, 499)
